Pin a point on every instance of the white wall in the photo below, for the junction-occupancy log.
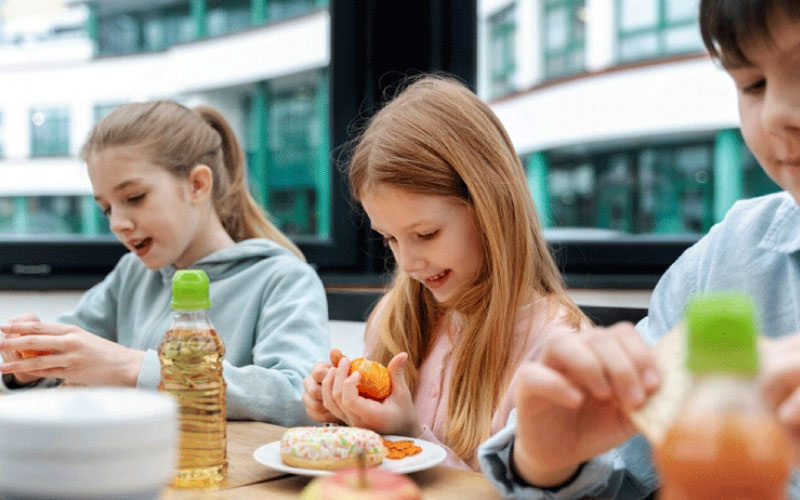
(679, 97)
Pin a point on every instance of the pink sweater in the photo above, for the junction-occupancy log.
(433, 386)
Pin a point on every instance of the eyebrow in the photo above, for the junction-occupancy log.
(413, 225)
(120, 186)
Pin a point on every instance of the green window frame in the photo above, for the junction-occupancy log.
(502, 51)
(49, 132)
(666, 27)
(563, 51)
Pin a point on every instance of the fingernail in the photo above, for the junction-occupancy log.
(636, 395)
(573, 396)
(652, 378)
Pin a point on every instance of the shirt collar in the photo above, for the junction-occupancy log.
(783, 233)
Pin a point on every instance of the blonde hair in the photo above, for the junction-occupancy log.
(437, 138)
(178, 139)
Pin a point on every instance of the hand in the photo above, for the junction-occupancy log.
(77, 356)
(9, 356)
(780, 378)
(394, 415)
(312, 394)
(571, 401)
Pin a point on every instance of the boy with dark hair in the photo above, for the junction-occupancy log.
(570, 436)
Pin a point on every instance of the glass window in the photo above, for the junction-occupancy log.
(2, 136)
(119, 34)
(49, 132)
(655, 28)
(40, 215)
(283, 9)
(502, 51)
(666, 189)
(564, 36)
(228, 16)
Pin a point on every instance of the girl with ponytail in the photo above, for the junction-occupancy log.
(172, 182)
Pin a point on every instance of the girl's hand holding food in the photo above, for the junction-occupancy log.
(312, 389)
(75, 355)
(396, 414)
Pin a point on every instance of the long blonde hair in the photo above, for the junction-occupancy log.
(437, 138)
(178, 138)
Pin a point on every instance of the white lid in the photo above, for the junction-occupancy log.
(97, 420)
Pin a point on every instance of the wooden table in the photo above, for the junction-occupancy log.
(250, 480)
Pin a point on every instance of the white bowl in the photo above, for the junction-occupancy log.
(84, 443)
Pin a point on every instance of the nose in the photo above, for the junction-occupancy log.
(409, 258)
(119, 222)
(780, 112)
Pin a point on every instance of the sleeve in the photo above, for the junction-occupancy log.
(624, 473)
(292, 334)
(96, 312)
(669, 296)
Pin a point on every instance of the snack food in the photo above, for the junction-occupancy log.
(328, 448)
(352, 484)
(375, 383)
(400, 449)
(662, 407)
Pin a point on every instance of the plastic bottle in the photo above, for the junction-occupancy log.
(725, 444)
(191, 369)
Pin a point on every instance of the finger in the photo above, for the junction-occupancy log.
(316, 410)
(35, 328)
(360, 411)
(780, 379)
(27, 317)
(30, 342)
(327, 398)
(312, 389)
(397, 371)
(38, 363)
(340, 374)
(538, 383)
(336, 355)
(573, 358)
(319, 371)
(640, 354)
(789, 409)
(620, 369)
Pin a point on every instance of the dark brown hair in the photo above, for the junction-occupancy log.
(178, 139)
(728, 27)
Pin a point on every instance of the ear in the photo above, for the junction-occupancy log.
(201, 182)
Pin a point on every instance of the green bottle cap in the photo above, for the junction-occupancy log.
(190, 289)
(722, 334)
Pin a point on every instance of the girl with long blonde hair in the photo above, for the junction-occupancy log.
(475, 290)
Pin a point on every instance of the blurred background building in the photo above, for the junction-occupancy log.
(65, 64)
(623, 123)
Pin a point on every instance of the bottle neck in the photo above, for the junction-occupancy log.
(190, 319)
(726, 392)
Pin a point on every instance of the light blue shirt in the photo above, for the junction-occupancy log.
(268, 307)
(755, 250)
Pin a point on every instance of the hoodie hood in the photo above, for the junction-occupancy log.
(233, 259)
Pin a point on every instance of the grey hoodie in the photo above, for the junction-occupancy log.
(267, 305)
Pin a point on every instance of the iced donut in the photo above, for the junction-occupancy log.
(328, 448)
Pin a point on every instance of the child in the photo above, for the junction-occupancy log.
(171, 180)
(475, 291)
(568, 412)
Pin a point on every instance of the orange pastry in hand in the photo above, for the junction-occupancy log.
(375, 383)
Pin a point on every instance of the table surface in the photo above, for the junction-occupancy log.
(250, 480)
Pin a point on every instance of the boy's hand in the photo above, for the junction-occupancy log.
(394, 415)
(571, 402)
(76, 355)
(780, 379)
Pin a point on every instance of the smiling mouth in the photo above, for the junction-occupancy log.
(142, 246)
(437, 280)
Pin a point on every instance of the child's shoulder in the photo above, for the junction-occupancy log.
(758, 214)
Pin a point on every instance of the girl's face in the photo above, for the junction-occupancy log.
(769, 102)
(152, 212)
(434, 239)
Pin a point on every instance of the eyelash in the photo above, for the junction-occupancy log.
(755, 87)
(387, 240)
(132, 200)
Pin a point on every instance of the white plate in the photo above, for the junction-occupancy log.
(432, 454)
